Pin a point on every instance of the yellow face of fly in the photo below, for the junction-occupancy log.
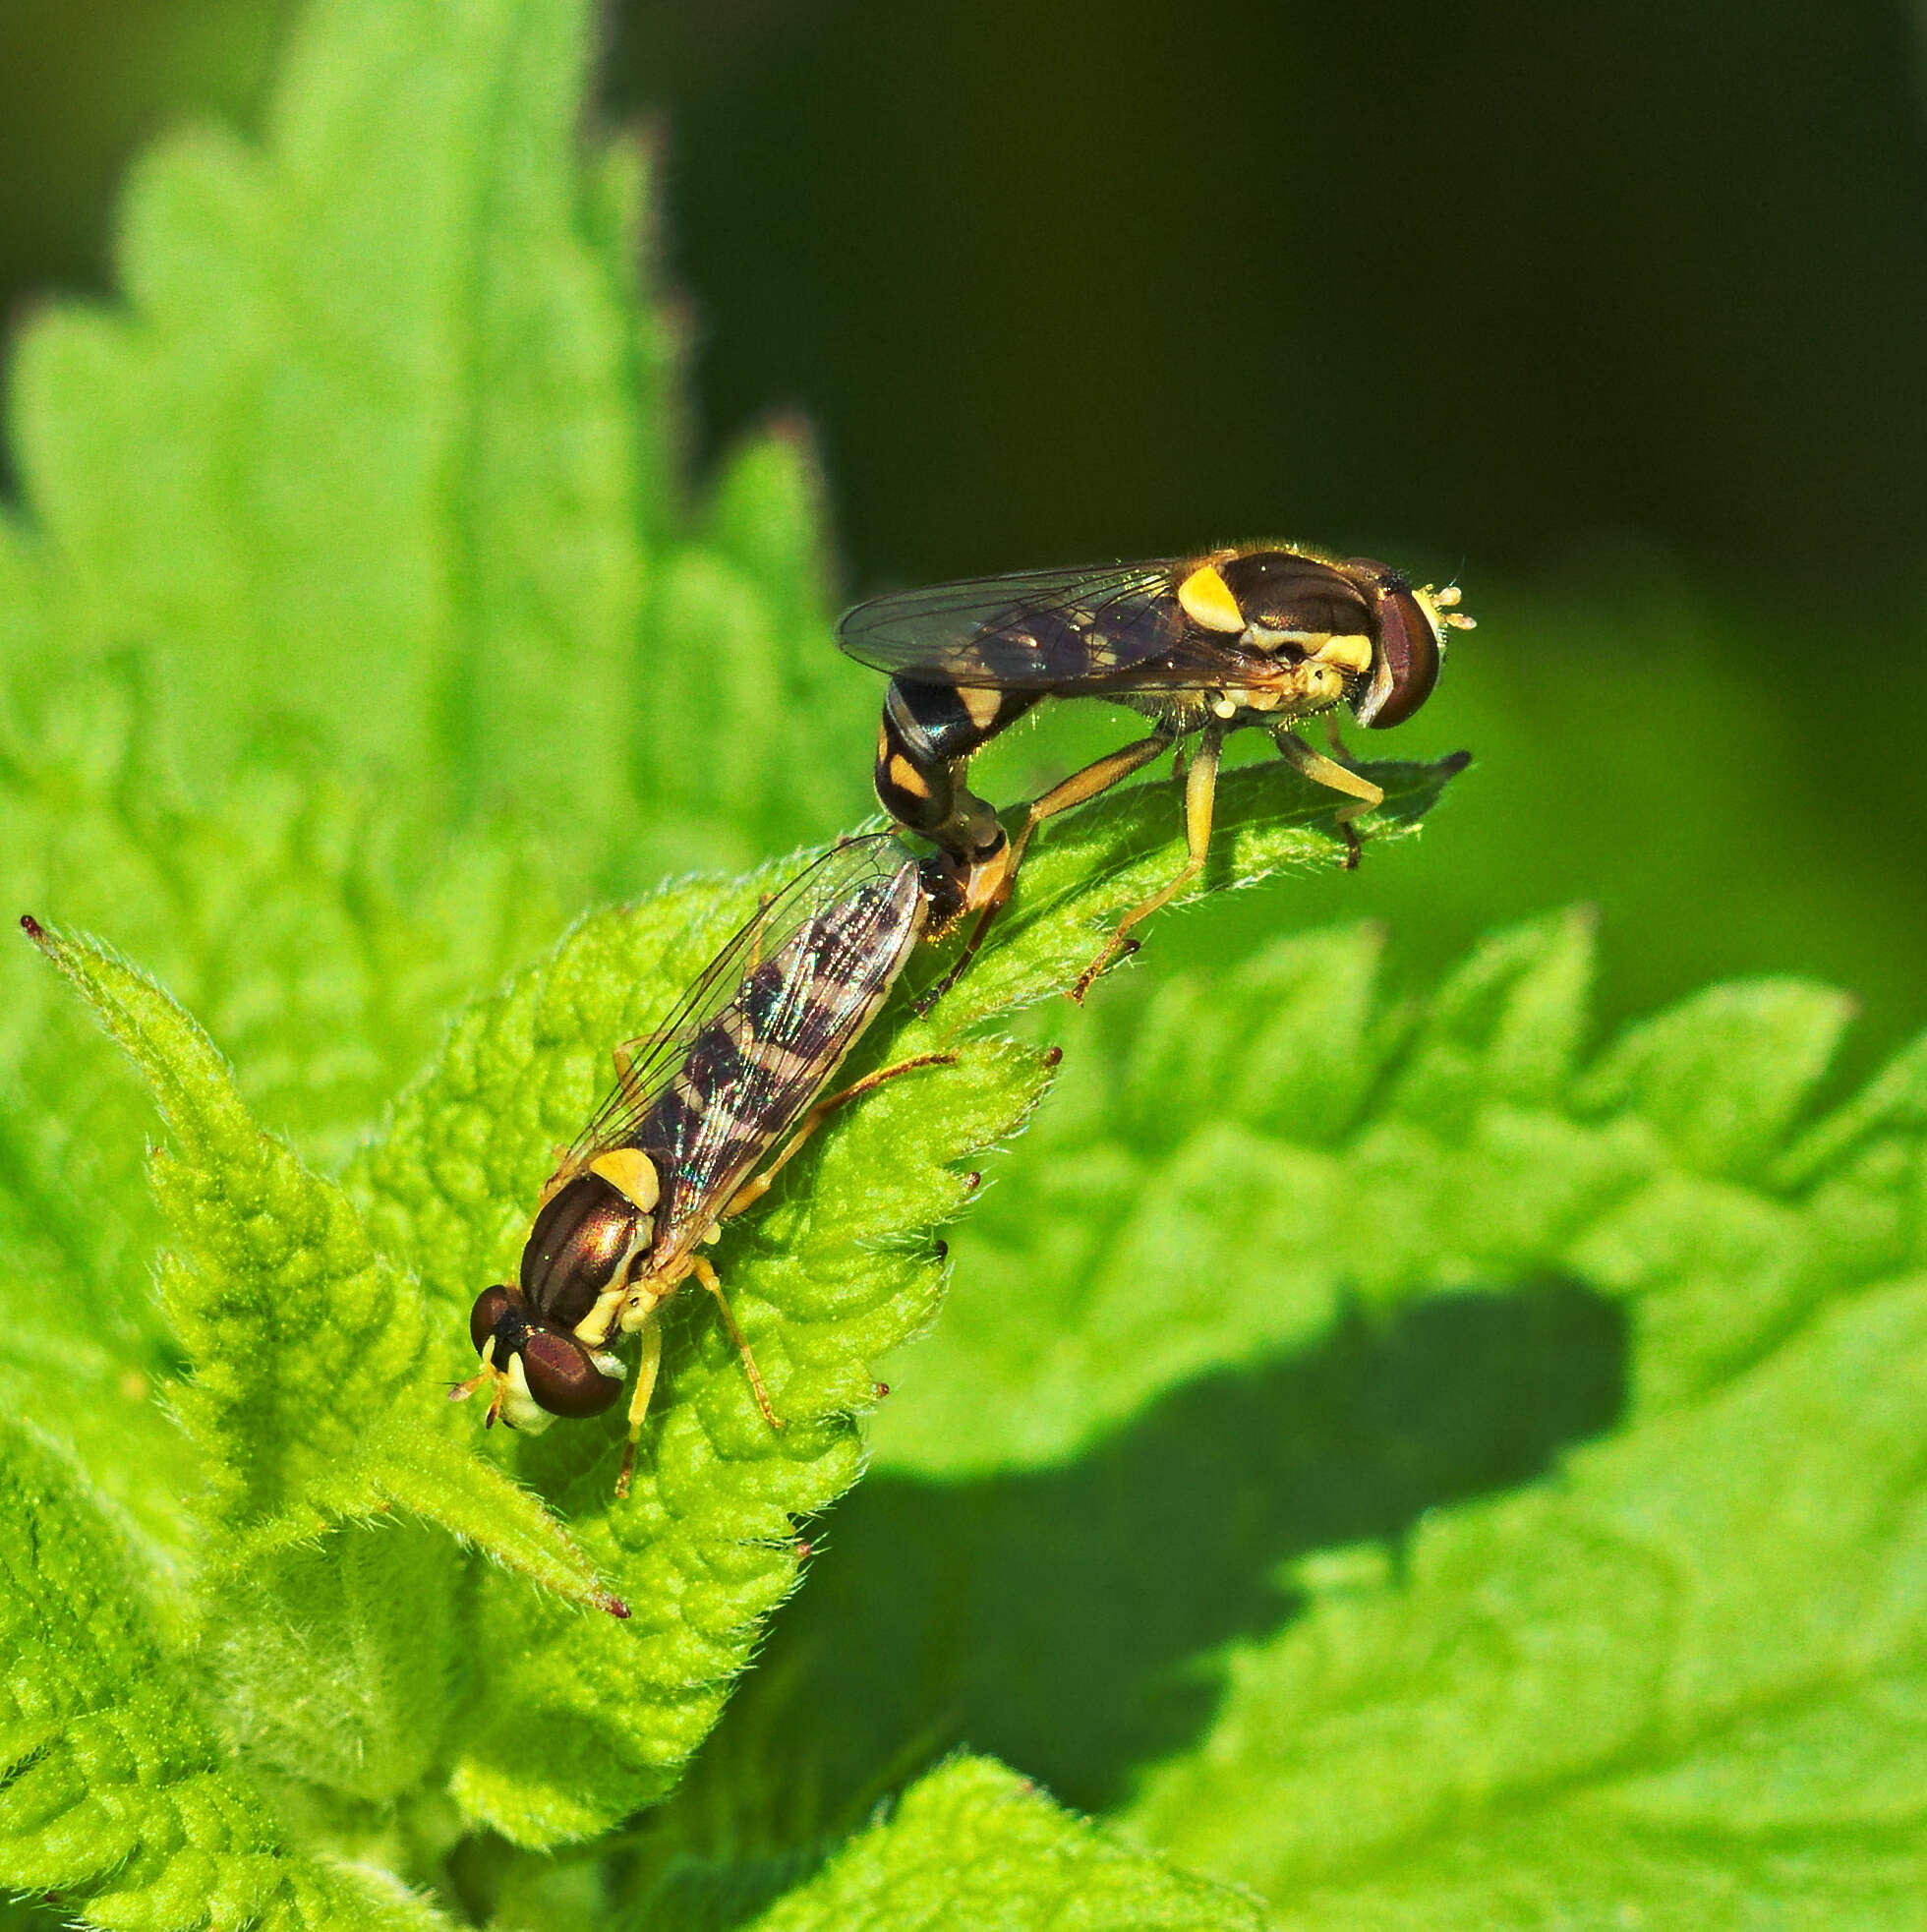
(510, 1398)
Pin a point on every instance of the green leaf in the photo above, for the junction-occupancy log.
(364, 447)
(973, 1845)
(115, 1793)
(385, 443)
(1150, 1425)
(586, 1724)
(286, 916)
(306, 1344)
(1681, 1687)
(1723, 1077)
(1233, 1160)
(1673, 1686)
(739, 691)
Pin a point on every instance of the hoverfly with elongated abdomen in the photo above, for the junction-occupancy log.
(673, 1151)
(1262, 636)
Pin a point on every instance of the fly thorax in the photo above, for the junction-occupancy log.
(594, 1327)
(583, 1241)
(646, 1296)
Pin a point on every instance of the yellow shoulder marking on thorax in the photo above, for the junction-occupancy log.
(1208, 601)
(631, 1173)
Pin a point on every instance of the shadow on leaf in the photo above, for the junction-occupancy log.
(1064, 1620)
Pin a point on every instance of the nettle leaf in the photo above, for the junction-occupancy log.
(363, 447)
(286, 916)
(1674, 1685)
(359, 516)
(1234, 1160)
(385, 442)
(582, 1724)
(973, 1845)
(738, 690)
(117, 1797)
(306, 1346)
(1681, 1687)
(1283, 1279)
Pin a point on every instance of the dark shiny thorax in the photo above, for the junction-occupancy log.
(579, 1241)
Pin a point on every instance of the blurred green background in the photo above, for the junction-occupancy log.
(1616, 313)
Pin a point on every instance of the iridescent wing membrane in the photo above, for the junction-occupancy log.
(1118, 627)
(758, 1036)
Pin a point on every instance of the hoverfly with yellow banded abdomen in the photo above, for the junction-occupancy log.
(1263, 635)
(689, 1137)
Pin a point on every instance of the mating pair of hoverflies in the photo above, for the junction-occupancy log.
(709, 1107)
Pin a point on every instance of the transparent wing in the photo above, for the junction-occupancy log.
(753, 1040)
(843, 872)
(747, 1078)
(1118, 626)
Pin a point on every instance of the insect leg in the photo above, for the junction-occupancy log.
(1200, 795)
(1073, 790)
(707, 1276)
(757, 1186)
(646, 1366)
(629, 1053)
(1328, 772)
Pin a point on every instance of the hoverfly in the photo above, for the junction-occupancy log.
(698, 1105)
(1261, 636)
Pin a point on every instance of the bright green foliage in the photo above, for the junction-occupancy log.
(1687, 1683)
(972, 1846)
(1328, 1265)
(116, 1793)
(584, 1725)
(1677, 1683)
(359, 628)
(303, 1342)
(386, 447)
(1377, 1156)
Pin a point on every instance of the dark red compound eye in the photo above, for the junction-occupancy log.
(562, 1378)
(1404, 661)
(483, 1317)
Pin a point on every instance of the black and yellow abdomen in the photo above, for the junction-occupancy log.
(929, 733)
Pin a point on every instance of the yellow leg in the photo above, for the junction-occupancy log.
(629, 1053)
(1200, 795)
(707, 1276)
(757, 1186)
(647, 1366)
(1328, 771)
(1071, 792)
